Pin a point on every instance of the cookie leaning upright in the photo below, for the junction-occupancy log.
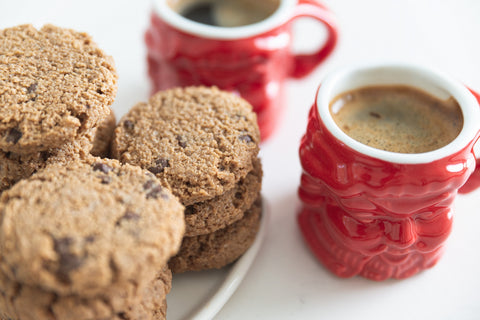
(198, 141)
(55, 84)
(83, 227)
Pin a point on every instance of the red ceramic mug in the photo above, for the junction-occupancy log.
(376, 213)
(252, 60)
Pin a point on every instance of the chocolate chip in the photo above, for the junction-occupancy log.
(32, 88)
(105, 179)
(164, 196)
(14, 135)
(375, 115)
(181, 141)
(99, 91)
(90, 239)
(240, 117)
(62, 245)
(147, 185)
(102, 167)
(67, 260)
(190, 210)
(245, 138)
(160, 165)
(154, 192)
(129, 215)
(129, 125)
(45, 155)
(87, 106)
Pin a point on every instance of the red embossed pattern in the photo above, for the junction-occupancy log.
(254, 67)
(364, 216)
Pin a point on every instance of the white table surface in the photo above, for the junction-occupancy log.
(285, 281)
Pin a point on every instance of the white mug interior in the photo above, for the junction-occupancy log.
(433, 82)
(174, 19)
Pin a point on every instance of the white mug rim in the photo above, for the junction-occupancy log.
(468, 104)
(168, 15)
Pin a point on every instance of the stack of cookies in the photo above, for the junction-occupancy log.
(97, 249)
(81, 238)
(56, 87)
(202, 144)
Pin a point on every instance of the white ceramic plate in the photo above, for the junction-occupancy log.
(200, 295)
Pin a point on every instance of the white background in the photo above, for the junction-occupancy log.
(286, 282)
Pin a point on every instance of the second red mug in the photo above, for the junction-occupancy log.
(377, 213)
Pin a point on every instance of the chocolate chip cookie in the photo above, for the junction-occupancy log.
(55, 84)
(220, 248)
(82, 227)
(198, 141)
(127, 302)
(217, 213)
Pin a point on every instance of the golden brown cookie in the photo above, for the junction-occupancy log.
(217, 213)
(198, 141)
(103, 136)
(127, 302)
(55, 84)
(83, 227)
(220, 248)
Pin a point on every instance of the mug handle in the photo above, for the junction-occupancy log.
(305, 63)
(473, 181)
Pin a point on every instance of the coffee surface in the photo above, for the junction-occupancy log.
(397, 118)
(226, 13)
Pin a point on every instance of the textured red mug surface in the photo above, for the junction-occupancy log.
(376, 213)
(252, 60)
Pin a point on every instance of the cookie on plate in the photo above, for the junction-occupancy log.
(198, 141)
(217, 213)
(23, 302)
(55, 84)
(220, 248)
(83, 227)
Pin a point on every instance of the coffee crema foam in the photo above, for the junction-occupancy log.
(225, 13)
(397, 118)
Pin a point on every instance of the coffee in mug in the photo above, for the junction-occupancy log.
(225, 13)
(397, 118)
